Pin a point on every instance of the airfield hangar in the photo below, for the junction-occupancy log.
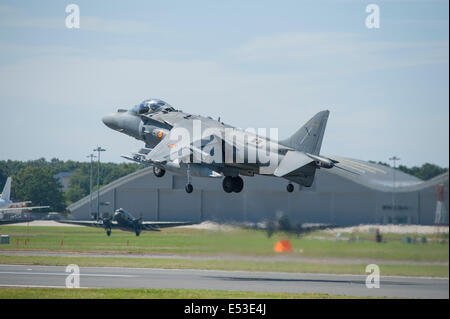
(336, 197)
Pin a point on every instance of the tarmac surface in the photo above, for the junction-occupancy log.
(118, 277)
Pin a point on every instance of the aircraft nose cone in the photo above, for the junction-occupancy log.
(123, 122)
(110, 121)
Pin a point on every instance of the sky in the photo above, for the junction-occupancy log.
(259, 64)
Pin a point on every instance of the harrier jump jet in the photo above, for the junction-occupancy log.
(193, 145)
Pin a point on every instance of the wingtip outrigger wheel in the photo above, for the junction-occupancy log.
(290, 188)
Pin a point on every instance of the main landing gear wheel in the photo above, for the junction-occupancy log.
(290, 188)
(189, 188)
(238, 184)
(227, 184)
(159, 172)
(232, 184)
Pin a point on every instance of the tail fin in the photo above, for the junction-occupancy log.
(7, 189)
(309, 137)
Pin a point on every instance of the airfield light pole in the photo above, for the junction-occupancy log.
(394, 159)
(92, 156)
(98, 149)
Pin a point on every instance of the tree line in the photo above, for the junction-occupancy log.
(425, 172)
(34, 180)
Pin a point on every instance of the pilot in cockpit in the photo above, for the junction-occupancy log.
(152, 105)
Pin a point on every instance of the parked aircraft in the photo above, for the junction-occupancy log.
(6, 203)
(282, 224)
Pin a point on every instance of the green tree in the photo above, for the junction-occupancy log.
(74, 193)
(79, 184)
(37, 184)
(380, 163)
(3, 178)
(425, 172)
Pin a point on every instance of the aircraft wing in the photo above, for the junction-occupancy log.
(169, 149)
(21, 203)
(157, 225)
(150, 225)
(89, 223)
(11, 209)
(164, 151)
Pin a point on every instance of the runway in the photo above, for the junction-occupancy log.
(117, 277)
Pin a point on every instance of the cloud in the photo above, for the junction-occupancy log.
(69, 95)
(337, 52)
(5, 9)
(116, 26)
(275, 80)
(11, 18)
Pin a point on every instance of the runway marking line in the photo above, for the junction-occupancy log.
(63, 274)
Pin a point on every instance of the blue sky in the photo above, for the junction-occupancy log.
(254, 64)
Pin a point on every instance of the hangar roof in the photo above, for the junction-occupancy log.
(374, 174)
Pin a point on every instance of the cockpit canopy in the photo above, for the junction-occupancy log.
(152, 105)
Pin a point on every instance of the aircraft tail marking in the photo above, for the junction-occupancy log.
(309, 137)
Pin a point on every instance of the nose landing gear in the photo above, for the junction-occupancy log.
(189, 188)
(159, 172)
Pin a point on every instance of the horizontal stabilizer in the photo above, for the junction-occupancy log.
(292, 161)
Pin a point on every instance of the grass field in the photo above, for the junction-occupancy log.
(223, 264)
(222, 246)
(223, 249)
(204, 242)
(122, 293)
